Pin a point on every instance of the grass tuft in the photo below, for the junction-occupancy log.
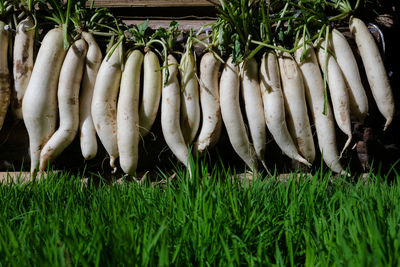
(207, 220)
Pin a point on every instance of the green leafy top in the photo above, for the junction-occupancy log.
(59, 14)
(238, 24)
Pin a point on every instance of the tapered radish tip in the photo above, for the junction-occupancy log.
(388, 122)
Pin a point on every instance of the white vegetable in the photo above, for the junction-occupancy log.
(190, 106)
(4, 74)
(68, 103)
(338, 92)
(209, 100)
(295, 106)
(377, 77)
(88, 140)
(22, 63)
(254, 106)
(152, 84)
(232, 115)
(274, 107)
(170, 114)
(104, 103)
(128, 113)
(348, 64)
(324, 124)
(39, 106)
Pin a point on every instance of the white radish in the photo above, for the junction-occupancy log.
(376, 74)
(170, 114)
(250, 88)
(152, 84)
(324, 124)
(4, 74)
(338, 92)
(232, 115)
(22, 63)
(39, 106)
(68, 103)
(104, 102)
(88, 140)
(209, 99)
(190, 106)
(128, 113)
(348, 64)
(296, 107)
(274, 106)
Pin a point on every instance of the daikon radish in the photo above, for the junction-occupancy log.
(377, 77)
(170, 114)
(324, 124)
(4, 74)
(274, 106)
(232, 115)
(338, 92)
(22, 63)
(209, 99)
(104, 103)
(152, 84)
(88, 140)
(296, 107)
(250, 88)
(348, 64)
(68, 103)
(190, 106)
(128, 113)
(39, 106)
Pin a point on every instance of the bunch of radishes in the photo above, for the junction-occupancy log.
(71, 88)
(283, 85)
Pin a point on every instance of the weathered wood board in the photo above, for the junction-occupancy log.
(184, 25)
(151, 3)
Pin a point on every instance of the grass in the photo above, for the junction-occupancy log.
(214, 221)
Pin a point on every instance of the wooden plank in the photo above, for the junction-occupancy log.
(151, 3)
(183, 24)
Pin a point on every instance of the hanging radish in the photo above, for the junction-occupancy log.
(39, 105)
(128, 113)
(104, 101)
(377, 77)
(274, 108)
(69, 85)
(4, 74)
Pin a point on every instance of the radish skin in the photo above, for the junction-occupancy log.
(274, 107)
(104, 103)
(170, 109)
(295, 106)
(348, 64)
(232, 116)
(190, 107)
(209, 99)
(377, 77)
(22, 63)
(88, 140)
(152, 84)
(324, 124)
(4, 74)
(128, 113)
(68, 103)
(253, 104)
(338, 92)
(39, 106)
